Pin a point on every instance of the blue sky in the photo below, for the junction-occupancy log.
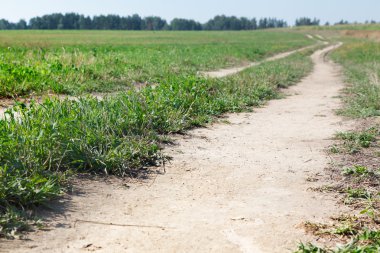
(201, 10)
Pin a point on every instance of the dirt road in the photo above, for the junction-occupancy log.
(234, 70)
(238, 187)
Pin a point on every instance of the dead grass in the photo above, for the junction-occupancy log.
(372, 35)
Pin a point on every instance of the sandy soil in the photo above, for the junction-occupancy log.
(238, 187)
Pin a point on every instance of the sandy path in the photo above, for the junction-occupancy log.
(234, 70)
(238, 187)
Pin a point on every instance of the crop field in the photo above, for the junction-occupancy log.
(81, 62)
(43, 145)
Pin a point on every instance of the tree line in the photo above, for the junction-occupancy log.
(73, 21)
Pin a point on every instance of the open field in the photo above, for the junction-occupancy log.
(76, 62)
(252, 182)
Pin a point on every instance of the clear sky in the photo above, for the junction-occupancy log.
(200, 10)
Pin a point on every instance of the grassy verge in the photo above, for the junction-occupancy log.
(360, 59)
(42, 145)
(355, 179)
(356, 170)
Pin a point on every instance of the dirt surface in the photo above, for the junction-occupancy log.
(238, 187)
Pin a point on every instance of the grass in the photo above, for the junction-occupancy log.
(366, 242)
(354, 141)
(356, 170)
(41, 145)
(79, 62)
(360, 60)
(359, 189)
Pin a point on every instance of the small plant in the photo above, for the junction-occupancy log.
(310, 248)
(334, 149)
(356, 170)
(12, 223)
(346, 229)
(358, 193)
(355, 141)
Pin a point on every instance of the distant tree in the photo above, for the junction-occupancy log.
(245, 24)
(136, 22)
(4, 24)
(35, 23)
(254, 24)
(22, 25)
(217, 23)
(307, 22)
(154, 23)
(85, 23)
(74, 21)
(327, 24)
(184, 25)
(266, 23)
(342, 22)
(263, 23)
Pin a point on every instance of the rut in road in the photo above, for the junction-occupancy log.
(238, 187)
(234, 70)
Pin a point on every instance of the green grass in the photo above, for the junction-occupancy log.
(78, 62)
(354, 141)
(366, 242)
(41, 145)
(361, 62)
(356, 170)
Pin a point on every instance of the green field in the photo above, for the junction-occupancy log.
(76, 62)
(43, 145)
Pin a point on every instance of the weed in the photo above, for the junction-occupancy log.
(355, 141)
(334, 149)
(356, 170)
(11, 223)
(358, 193)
